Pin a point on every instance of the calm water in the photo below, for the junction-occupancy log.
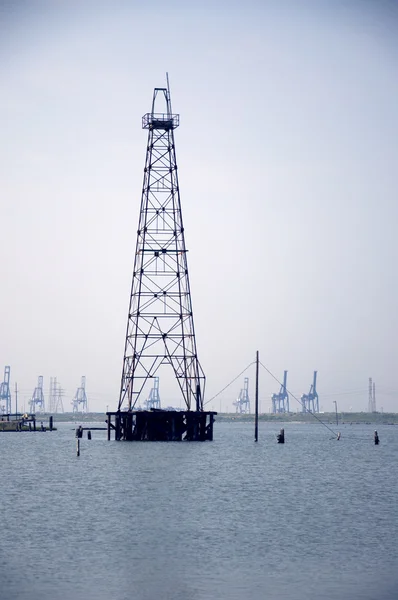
(313, 519)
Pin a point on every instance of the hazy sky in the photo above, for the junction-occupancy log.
(287, 155)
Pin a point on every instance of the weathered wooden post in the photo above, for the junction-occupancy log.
(89, 435)
(117, 426)
(281, 437)
(108, 422)
(78, 447)
(376, 438)
(50, 422)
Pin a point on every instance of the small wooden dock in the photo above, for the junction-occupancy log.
(24, 422)
(161, 425)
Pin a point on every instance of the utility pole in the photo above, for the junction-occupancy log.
(256, 403)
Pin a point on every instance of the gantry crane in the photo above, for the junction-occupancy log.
(310, 401)
(242, 402)
(153, 400)
(79, 402)
(37, 400)
(5, 394)
(280, 401)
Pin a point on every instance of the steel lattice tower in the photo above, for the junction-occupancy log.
(160, 325)
(55, 403)
(372, 396)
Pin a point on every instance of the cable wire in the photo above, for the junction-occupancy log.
(230, 383)
(299, 401)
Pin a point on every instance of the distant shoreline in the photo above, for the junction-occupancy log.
(346, 418)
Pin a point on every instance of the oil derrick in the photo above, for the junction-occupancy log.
(55, 404)
(160, 326)
(372, 396)
(280, 402)
(36, 403)
(310, 401)
(242, 402)
(5, 394)
(153, 400)
(79, 402)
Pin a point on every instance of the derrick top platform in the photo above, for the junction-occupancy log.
(163, 121)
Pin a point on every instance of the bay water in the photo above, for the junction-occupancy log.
(315, 518)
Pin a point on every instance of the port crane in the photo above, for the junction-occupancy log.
(242, 402)
(310, 401)
(280, 401)
(153, 400)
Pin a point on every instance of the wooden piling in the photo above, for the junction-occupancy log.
(161, 425)
(281, 437)
(117, 426)
(376, 438)
(50, 421)
(89, 435)
(78, 447)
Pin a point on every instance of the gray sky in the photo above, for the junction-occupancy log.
(287, 154)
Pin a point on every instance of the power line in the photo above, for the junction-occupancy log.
(299, 401)
(227, 386)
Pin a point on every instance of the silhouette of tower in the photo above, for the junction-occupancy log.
(372, 396)
(55, 403)
(160, 325)
(37, 400)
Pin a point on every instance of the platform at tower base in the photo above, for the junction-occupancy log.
(161, 425)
